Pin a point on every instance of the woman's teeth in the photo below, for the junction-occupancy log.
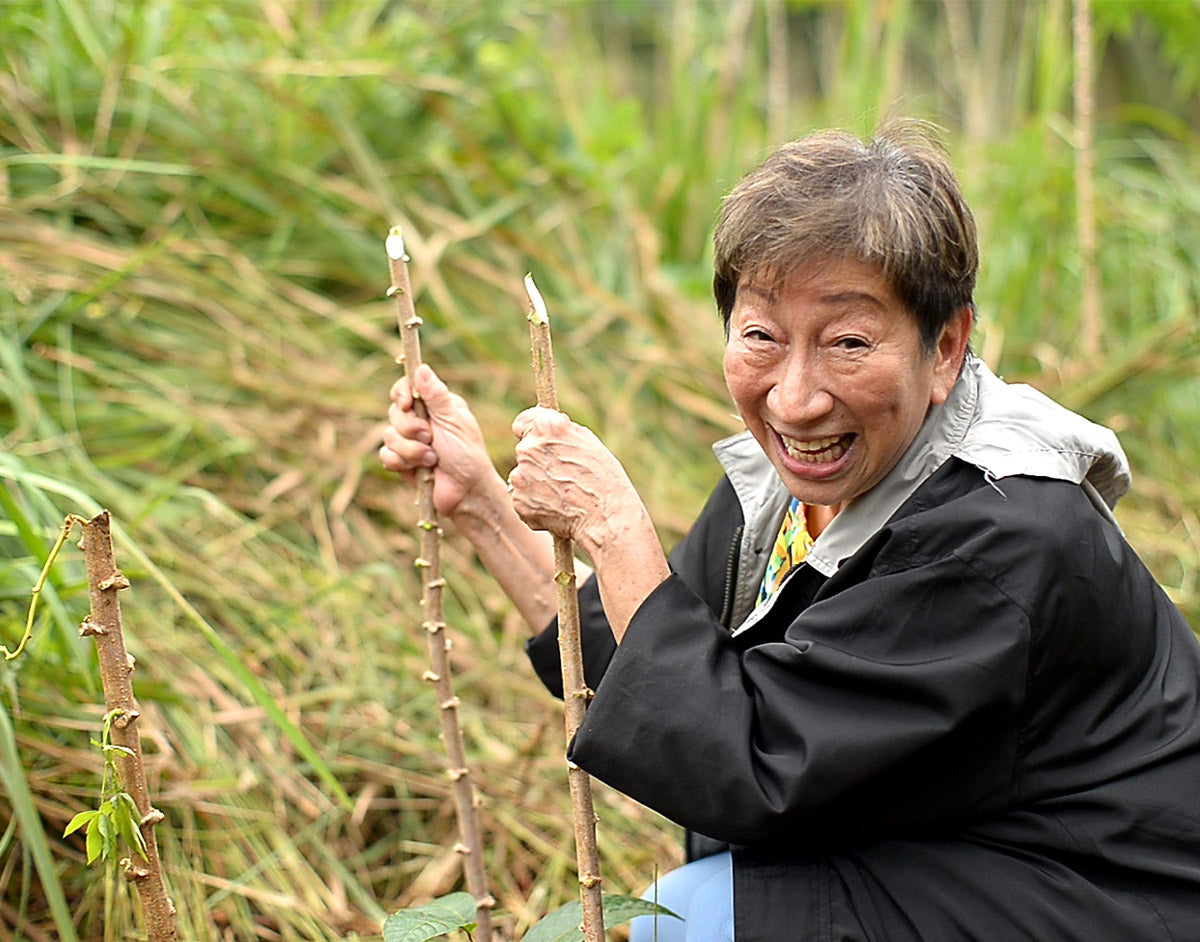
(817, 450)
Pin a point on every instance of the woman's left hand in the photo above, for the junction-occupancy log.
(566, 481)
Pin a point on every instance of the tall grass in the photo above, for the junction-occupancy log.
(193, 333)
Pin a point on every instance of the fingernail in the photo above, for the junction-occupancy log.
(429, 459)
(424, 437)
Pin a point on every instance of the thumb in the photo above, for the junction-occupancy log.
(429, 387)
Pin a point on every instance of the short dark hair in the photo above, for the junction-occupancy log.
(892, 201)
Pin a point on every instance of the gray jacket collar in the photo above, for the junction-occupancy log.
(1002, 429)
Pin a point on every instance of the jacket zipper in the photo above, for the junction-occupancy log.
(731, 577)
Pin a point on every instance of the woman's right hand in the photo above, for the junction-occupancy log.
(450, 442)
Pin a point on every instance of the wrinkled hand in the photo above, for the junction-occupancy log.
(450, 442)
(566, 481)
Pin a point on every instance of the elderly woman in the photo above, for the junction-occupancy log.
(903, 679)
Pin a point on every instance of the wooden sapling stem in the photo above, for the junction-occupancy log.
(105, 580)
(575, 690)
(470, 844)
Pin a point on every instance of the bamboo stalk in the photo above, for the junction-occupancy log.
(103, 623)
(575, 691)
(470, 843)
(778, 99)
(1085, 186)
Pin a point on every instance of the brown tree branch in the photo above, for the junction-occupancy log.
(470, 844)
(575, 691)
(103, 623)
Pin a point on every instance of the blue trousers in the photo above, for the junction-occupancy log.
(701, 893)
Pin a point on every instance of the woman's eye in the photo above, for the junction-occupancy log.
(853, 343)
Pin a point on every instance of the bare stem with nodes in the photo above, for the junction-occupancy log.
(575, 690)
(103, 623)
(470, 844)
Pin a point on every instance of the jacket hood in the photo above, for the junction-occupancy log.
(1018, 430)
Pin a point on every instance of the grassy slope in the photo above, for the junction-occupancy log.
(193, 334)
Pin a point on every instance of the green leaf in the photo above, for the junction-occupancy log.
(79, 821)
(565, 923)
(108, 831)
(95, 840)
(444, 914)
(125, 812)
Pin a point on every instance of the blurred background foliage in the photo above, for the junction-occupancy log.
(193, 334)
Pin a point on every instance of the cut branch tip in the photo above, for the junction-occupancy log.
(537, 306)
(395, 245)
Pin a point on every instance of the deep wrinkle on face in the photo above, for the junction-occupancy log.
(827, 369)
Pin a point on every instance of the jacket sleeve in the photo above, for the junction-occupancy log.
(888, 704)
(700, 560)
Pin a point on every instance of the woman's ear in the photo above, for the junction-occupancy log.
(948, 356)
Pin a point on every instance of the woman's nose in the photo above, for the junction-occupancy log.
(800, 394)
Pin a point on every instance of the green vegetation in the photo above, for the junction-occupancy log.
(194, 335)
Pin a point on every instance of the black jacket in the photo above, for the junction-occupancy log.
(983, 726)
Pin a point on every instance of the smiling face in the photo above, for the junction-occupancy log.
(829, 374)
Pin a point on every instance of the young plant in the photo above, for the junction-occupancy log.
(126, 815)
(117, 816)
(470, 841)
(120, 741)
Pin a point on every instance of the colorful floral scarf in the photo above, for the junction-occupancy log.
(791, 546)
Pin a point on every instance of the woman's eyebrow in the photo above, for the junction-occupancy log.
(761, 291)
(850, 297)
